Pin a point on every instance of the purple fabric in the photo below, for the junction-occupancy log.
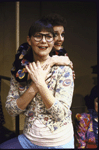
(84, 131)
(11, 144)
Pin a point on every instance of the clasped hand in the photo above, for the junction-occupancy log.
(39, 74)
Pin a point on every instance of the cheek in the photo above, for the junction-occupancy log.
(96, 106)
(51, 44)
(63, 39)
(34, 45)
(55, 39)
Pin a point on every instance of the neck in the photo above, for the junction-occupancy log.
(41, 59)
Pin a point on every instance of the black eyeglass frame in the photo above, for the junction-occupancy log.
(45, 37)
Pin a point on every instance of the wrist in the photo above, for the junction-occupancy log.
(40, 85)
(53, 62)
(33, 88)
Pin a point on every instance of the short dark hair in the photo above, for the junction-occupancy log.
(55, 19)
(89, 99)
(40, 25)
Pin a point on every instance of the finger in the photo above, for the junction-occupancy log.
(45, 66)
(48, 76)
(38, 64)
(28, 70)
(74, 77)
(70, 65)
(34, 65)
(67, 57)
(48, 68)
(30, 66)
(48, 80)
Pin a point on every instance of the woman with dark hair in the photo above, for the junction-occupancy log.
(86, 128)
(59, 26)
(57, 54)
(45, 99)
(24, 55)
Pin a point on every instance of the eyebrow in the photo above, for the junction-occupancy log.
(62, 31)
(42, 33)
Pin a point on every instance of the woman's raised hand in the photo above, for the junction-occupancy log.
(39, 74)
(62, 60)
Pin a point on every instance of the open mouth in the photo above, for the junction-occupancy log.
(58, 44)
(42, 47)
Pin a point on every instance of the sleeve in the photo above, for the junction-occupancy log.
(81, 125)
(11, 102)
(22, 58)
(63, 94)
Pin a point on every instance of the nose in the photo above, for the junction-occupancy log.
(43, 39)
(60, 38)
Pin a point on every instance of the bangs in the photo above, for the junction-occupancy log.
(39, 26)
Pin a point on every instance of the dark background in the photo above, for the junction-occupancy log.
(80, 43)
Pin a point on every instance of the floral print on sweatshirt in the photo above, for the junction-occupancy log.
(59, 114)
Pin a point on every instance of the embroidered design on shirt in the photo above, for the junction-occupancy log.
(21, 73)
(22, 54)
(21, 88)
(67, 82)
(24, 62)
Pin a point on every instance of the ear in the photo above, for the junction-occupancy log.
(28, 40)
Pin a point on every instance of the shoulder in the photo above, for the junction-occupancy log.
(64, 72)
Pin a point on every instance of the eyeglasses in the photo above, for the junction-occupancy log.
(39, 36)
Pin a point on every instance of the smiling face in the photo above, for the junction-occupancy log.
(42, 48)
(59, 37)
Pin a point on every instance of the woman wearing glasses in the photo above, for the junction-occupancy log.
(58, 54)
(44, 101)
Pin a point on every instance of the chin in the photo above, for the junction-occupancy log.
(43, 54)
(57, 48)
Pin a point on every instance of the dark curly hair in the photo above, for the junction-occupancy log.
(89, 99)
(55, 19)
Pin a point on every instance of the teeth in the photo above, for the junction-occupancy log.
(58, 44)
(43, 47)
